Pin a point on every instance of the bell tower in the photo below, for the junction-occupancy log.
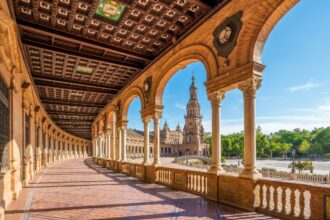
(193, 130)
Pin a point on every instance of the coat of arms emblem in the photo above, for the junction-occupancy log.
(110, 9)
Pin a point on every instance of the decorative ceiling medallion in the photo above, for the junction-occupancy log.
(225, 35)
(84, 70)
(110, 9)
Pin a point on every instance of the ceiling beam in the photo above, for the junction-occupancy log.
(63, 50)
(72, 103)
(40, 81)
(43, 30)
(52, 112)
(77, 121)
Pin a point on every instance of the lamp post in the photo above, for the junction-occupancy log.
(293, 162)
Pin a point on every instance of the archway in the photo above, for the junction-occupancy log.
(134, 138)
(186, 112)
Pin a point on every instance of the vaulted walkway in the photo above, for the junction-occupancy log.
(78, 189)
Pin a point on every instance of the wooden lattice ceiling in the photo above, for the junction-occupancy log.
(80, 59)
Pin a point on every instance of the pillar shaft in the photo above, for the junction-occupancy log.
(156, 141)
(146, 141)
(249, 89)
(124, 155)
(216, 100)
(108, 146)
(113, 141)
(119, 142)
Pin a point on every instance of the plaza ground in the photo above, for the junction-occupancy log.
(320, 167)
(79, 189)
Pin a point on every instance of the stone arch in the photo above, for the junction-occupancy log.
(181, 59)
(111, 116)
(100, 126)
(255, 31)
(133, 93)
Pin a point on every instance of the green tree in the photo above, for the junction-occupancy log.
(304, 147)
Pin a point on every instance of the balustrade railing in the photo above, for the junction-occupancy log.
(290, 200)
(282, 198)
(192, 181)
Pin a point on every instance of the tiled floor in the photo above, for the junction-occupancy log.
(79, 189)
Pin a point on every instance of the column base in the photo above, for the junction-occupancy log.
(250, 173)
(216, 170)
(25, 183)
(157, 164)
(147, 163)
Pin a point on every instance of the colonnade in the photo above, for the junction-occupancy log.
(108, 141)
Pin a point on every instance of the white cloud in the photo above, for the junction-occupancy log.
(308, 118)
(305, 86)
(180, 106)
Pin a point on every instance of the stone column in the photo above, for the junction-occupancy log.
(113, 141)
(39, 151)
(146, 160)
(108, 146)
(249, 89)
(216, 100)
(97, 147)
(156, 140)
(119, 142)
(123, 139)
(51, 149)
(65, 149)
(46, 149)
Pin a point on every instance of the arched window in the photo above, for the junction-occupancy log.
(4, 126)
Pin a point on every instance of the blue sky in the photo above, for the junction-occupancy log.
(295, 91)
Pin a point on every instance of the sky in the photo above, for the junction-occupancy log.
(295, 91)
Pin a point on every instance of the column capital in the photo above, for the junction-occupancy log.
(216, 98)
(108, 131)
(157, 116)
(146, 119)
(122, 123)
(250, 86)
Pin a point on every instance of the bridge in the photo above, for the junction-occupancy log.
(191, 157)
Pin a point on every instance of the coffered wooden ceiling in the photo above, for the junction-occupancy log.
(81, 53)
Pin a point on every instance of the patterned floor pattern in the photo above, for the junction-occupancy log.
(79, 189)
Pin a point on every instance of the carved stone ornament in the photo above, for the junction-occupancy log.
(5, 51)
(250, 86)
(225, 35)
(118, 106)
(147, 84)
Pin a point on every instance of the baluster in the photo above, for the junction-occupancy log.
(202, 182)
(259, 195)
(188, 181)
(283, 200)
(198, 183)
(292, 202)
(195, 182)
(301, 204)
(205, 184)
(267, 196)
(275, 199)
(262, 196)
(271, 204)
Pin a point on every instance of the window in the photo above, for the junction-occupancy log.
(4, 126)
(26, 134)
(36, 147)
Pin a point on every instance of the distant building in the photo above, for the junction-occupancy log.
(176, 142)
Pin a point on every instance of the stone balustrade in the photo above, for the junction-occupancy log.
(284, 199)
